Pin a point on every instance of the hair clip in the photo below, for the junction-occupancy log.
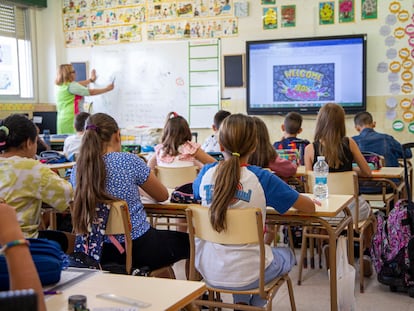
(236, 154)
(174, 115)
(5, 129)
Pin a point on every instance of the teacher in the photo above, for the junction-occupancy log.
(70, 95)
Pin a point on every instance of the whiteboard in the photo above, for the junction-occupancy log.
(151, 79)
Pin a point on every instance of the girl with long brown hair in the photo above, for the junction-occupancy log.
(176, 148)
(103, 173)
(330, 140)
(233, 183)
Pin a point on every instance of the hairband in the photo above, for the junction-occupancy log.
(92, 127)
(236, 154)
(5, 129)
(174, 115)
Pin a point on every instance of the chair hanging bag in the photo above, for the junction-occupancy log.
(345, 276)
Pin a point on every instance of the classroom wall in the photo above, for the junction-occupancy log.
(51, 51)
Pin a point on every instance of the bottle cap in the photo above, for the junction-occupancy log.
(321, 158)
(76, 302)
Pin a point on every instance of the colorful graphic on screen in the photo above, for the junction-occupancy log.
(307, 82)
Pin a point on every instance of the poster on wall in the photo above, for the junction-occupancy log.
(9, 73)
(269, 18)
(346, 11)
(288, 16)
(326, 13)
(369, 9)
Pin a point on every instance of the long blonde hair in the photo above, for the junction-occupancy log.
(237, 135)
(90, 170)
(330, 132)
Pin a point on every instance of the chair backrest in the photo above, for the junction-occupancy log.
(172, 177)
(244, 226)
(340, 183)
(119, 222)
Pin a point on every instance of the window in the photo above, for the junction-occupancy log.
(16, 69)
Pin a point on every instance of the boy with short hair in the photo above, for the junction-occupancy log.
(72, 143)
(379, 143)
(291, 127)
(211, 144)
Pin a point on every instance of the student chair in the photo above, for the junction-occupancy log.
(341, 183)
(172, 177)
(119, 222)
(244, 226)
(381, 193)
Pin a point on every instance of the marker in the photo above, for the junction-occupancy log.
(52, 292)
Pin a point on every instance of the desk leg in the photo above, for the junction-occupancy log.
(52, 220)
(332, 270)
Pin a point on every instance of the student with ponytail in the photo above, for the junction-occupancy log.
(233, 183)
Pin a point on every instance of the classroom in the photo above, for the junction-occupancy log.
(172, 58)
(382, 101)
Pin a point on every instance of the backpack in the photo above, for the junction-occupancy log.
(51, 156)
(389, 249)
(48, 258)
(184, 194)
(392, 248)
(373, 159)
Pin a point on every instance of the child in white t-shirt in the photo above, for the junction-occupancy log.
(211, 144)
(72, 143)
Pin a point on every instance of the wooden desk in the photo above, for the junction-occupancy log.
(59, 166)
(162, 294)
(383, 172)
(388, 172)
(329, 208)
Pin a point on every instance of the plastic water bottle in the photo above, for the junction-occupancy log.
(321, 170)
(46, 137)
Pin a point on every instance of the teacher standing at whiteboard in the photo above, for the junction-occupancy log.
(70, 94)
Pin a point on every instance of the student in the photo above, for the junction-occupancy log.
(176, 148)
(69, 96)
(340, 152)
(20, 266)
(372, 141)
(233, 183)
(330, 140)
(211, 144)
(41, 144)
(266, 156)
(103, 173)
(25, 183)
(72, 143)
(292, 127)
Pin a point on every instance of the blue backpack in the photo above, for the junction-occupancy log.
(48, 258)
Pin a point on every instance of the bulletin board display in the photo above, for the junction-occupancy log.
(151, 80)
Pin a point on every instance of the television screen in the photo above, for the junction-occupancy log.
(302, 74)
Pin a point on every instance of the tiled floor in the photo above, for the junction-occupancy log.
(313, 294)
